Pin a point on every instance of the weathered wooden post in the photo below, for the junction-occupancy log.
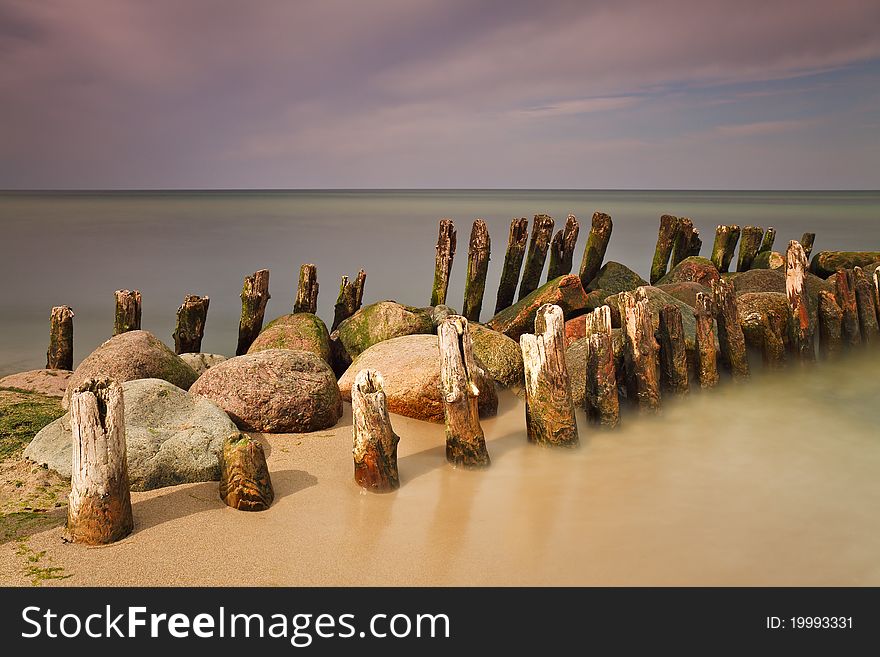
(465, 443)
(640, 351)
(802, 329)
(864, 289)
(597, 244)
(513, 258)
(707, 366)
(773, 342)
(673, 352)
(550, 419)
(191, 317)
(245, 483)
(876, 278)
(351, 295)
(443, 261)
(696, 244)
(807, 242)
(477, 266)
(844, 290)
(375, 443)
(830, 324)
(542, 230)
(767, 242)
(307, 290)
(681, 245)
(665, 239)
(254, 297)
(749, 244)
(724, 246)
(562, 248)
(730, 335)
(99, 505)
(601, 401)
(59, 356)
(128, 311)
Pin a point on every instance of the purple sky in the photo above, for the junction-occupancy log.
(440, 93)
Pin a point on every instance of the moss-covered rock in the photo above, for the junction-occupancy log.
(693, 269)
(759, 309)
(297, 332)
(564, 291)
(826, 263)
(773, 280)
(45, 382)
(376, 323)
(769, 260)
(614, 278)
(22, 415)
(501, 356)
(686, 291)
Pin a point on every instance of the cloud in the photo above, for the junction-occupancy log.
(762, 128)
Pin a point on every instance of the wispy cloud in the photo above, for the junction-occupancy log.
(576, 106)
(762, 128)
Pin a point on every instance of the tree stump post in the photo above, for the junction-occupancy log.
(767, 242)
(513, 258)
(665, 240)
(245, 483)
(802, 329)
(597, 244)
(673, 352)
(640, 352)
(59, 356)
(707, 365)
(307, 290)
(601, 401)
(730, 335)
(844, 290)
(807, 242)
(477, 266)
(696, 244)
(864, 289)
(749, 244)
(443, 261)
(351, 295)
(724, 246)
(542, 230)
(465, 442)
(191, 317)
(128, 311)
(550, 419)
(375, 443)
(254, 297)
(681, 245)
(830, 325)
(562, 248)
(99, 505)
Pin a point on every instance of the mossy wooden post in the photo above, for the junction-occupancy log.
(640, 352)
(601, 401)
(724, 246)
(665, 241)
(681, 245)
(730, 334)
(542, 230)
(550, 419)
(864, 289)
(696, 244)
(375, 443)
(479, 249)
(128, 311)
(351, 295)
(562, 248)
(465, 443)
(830, 325)
(59, 356)
(767, 242)
(191, 317)
(673, 352)
(99, 505)
(443, 261)
(513, 258)
(254, 297)
(807, 242)
(597, 244)
(307, 290)
(707, 365)
(844, 291)
(245, 483)
(749, 244)
(802, 329)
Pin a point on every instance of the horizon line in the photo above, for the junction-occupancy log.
(87, 190)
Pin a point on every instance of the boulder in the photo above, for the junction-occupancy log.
(132, 355)
(274, 391)
(773, 280)
(576, 364)
(501, 357)
(171, 437)
(693, 269)
(575, 329)
(613, 278)
(295, 332)
(769, 260)
(686, 291)
(410, 366)
(564, 291)
(826, 263)
(202, 362)
(657, 298)
(756, 309)
(376, 323)
(47, 382)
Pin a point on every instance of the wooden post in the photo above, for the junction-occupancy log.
(244, 475)
(665, 239)
(673, 353)
(542, 230)
(807, 242)
(640, 351)
(876, 278)
(351, 294)
(748, 246)
(477, 266)
(465, 443)
(830, 324)
(696, 244)
(443, 261)
(516, 249)
(254, 297)
(59, 356)
(730, 334)
(864, 289)
(707, 366)
(375, 443)
(128, 311)
(191, 317)
(307, 290)
(550, 419)
(681, 246)
(767, 242)
(601, 401)
(773, 343)
(726, 238)
(99, 505)
(597, 244)
(844, 290)
(562, 248)
(802, 330)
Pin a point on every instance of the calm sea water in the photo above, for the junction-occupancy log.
(77, 248)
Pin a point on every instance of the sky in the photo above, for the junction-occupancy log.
(629, 94)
